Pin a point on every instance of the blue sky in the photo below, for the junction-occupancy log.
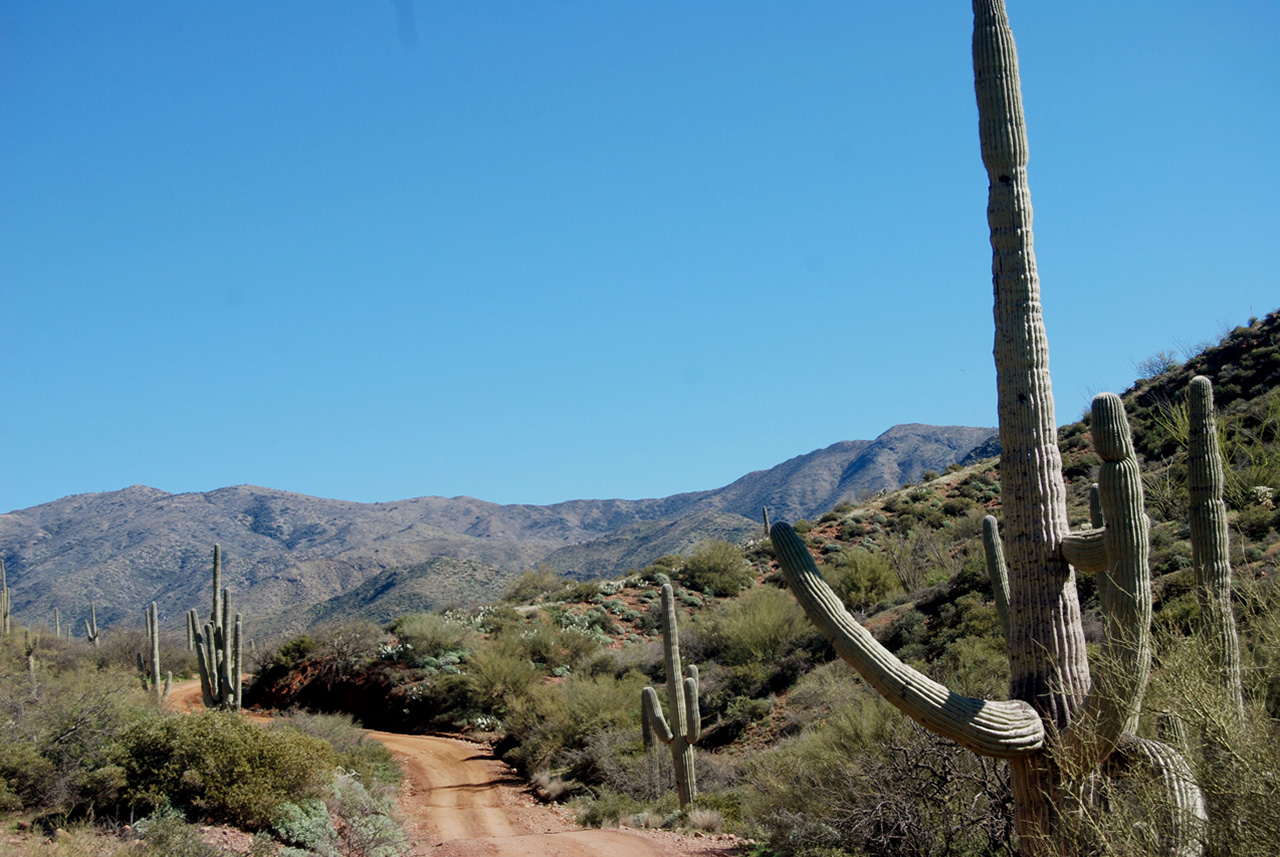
(536, 251)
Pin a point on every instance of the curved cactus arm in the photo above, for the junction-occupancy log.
(1206, 481)
(693, 712)
(1182, 830)
(1086, 550)
(996, 570)
(653, 718)
(1115, 700)
(1095, 508)
(1000, 729)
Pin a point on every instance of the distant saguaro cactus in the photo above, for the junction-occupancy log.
(218, 650)
(4, 601)
(91, 626)
(152, 681)
(682, 701)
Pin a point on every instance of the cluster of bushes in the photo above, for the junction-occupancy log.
(80, 739)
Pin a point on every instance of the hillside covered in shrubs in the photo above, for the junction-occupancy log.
(796, 751)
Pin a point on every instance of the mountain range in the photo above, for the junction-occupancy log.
(291, 560)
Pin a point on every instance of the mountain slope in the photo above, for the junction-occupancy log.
(122, 549)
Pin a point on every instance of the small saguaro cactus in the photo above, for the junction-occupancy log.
(685, 727)
(218, 650)
(91, 626)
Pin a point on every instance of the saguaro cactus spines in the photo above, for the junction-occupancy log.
(1209, 540)
(682, 701)
(218, 650)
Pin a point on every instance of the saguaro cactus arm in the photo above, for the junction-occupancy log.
(997, 571)
(654, 721)
(1005, 729)
(693, 712)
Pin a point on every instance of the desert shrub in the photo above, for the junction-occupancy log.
(556, 719)
(433, 635)
(119, 647)
(717, 567)
(57, 730)
(868, 781)
(581, 591)
(345, 649)
(500, 674)
(220, 766)
(354, 751)
(607, 809)
(167, 832)
(861, 578)
(762, 625)
(534, 584)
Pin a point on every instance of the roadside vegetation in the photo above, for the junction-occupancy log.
(796, 752)
(91, 764)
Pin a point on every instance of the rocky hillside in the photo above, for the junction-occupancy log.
(122, 549)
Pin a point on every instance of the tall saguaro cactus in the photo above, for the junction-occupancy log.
(1063, 725)
(218, 650)
(685, 726)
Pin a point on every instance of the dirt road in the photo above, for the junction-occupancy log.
(457, 800)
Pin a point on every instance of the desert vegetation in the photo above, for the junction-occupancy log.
(794, 750)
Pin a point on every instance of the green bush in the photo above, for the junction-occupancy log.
(432, 635)
(761, 626)
(861, 579)
(58, 726)
(717, 567)
(220, 766)
(534, 584)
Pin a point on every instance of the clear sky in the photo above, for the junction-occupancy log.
(536, 251)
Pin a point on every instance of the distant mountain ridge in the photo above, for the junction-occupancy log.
(285, 553)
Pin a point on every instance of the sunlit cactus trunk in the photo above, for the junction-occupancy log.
(685, 726)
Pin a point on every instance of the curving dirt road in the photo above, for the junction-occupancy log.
(457, 800)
